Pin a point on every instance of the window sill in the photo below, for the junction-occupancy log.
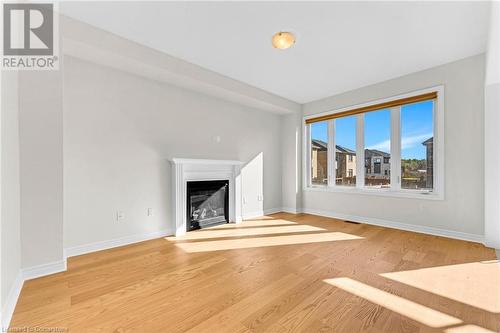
(410, 194)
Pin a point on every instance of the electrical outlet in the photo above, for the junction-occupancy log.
(120, 215)
(150, 211)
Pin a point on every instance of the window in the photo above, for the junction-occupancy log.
(390, 147)
(417, 133)
(319, 153)
(345, 151)
(377, 133)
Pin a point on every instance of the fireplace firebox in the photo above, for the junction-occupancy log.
(207, 203)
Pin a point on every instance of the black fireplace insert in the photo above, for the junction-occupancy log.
(207, 203)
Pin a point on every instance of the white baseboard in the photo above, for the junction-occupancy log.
(272, 211)
(109, 244)
(492, 244)
(291, 210)
(398, 225)
(260, 213)
(43, 270)
(10, 304)
(26, 274)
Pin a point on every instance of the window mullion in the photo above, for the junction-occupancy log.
(309, 155)
(360, 151)
(331, 152)
(395, 148)
(437, 185)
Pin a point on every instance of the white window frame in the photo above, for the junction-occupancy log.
(395, 190)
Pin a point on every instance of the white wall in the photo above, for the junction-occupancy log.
(41, 173)
(492, 132)
(10, 195)
(291, 136)
(463, 207)
(119, 132)
(252, 187)
(493, 52)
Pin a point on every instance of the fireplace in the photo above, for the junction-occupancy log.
(207, 203)
(185, 171)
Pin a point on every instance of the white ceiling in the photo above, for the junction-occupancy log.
(340, 45)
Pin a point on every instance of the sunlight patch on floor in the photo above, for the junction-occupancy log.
(244, 243)
(253, 223)
(467, 329)
(476, 284)
(407, 308)
(237, 232)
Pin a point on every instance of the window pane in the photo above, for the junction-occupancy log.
(345, 152)
(319, 153)
(417, 145)
(378, 148)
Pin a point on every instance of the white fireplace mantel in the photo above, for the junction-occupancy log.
(184, 170)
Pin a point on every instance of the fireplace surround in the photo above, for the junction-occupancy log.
(185, 171)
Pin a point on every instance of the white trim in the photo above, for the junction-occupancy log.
(272, 211)
(360, 151)
(109, 244)
(439, 186)
(385, 223)
(44, 269)
(306, 156)
(491, 244)
(204, 161)
(185, 170)
(11, 301)
(382, 192)
(439, 153)
(252, 215)
(331, 153)
(291, 210)
(400, 226)
(261, 213)
(395, 166)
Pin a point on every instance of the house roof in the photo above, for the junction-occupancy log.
(321, 145)
(318, 144)
(428, 141)
(345, 150)
(375, 152)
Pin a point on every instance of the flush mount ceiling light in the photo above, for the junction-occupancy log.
(283, 40)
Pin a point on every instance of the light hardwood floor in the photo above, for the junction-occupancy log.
(282, 273)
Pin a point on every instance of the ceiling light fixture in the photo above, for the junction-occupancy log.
(283, 40)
